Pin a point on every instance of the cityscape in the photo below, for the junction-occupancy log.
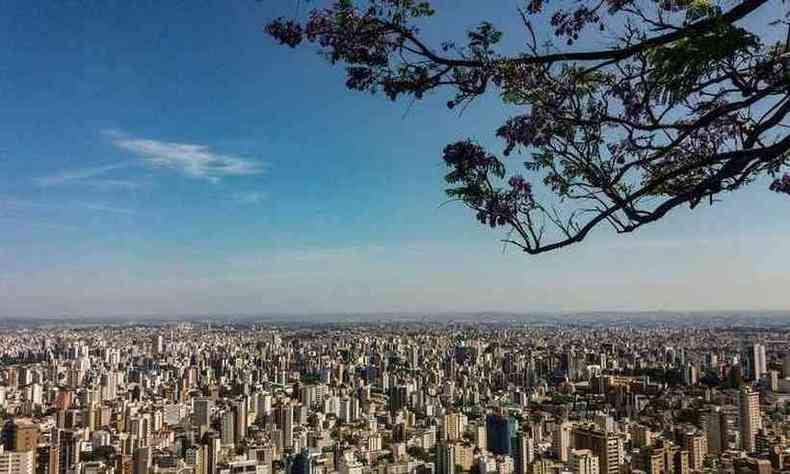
(394, 237)
(394, 397)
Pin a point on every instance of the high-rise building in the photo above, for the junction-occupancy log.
(561, 439)
(715, 430)
(68, 449)
(239, 420)
(712, 360)
(608, 447)
(345, 410)
(464, 456)
(651, 460)
(773, 380)
(141, 460)
(202, 409)
(47, 459)
(697, 446)
(398, 398)
(445, 458)
(524, 453)
(680, 461)
(752, 466)
(212, 447)
(750, 421)
(500, 431)
(264, 404)
(304, 462)
(20, 435)
(642, 436)
(758, 365)
(453, 426)
(604, 422)
(109, 385)
(159, 344)
(662, 457)
(584, 461)
(285, 421)
(480, 436)
(691, 374)
(227, 428)
(17, 462)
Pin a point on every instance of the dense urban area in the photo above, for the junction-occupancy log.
(394, 398)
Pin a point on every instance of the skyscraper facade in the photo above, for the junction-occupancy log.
(500, 431)
(749, 410)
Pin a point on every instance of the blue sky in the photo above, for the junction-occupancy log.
(166, 157)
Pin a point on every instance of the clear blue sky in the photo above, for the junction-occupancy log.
(166, 157)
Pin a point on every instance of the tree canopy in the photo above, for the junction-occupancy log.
(684, 102)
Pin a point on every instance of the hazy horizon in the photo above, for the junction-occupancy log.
(779, 315)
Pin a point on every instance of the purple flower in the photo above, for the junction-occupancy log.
(518, 183)
(781, 185)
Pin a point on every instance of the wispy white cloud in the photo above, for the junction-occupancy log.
(249, 198)
(12, 204)
(89, 177)
(189, 159)
(19, 222)
(110, 184)
(101, 207)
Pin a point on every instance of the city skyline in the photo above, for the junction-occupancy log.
(414, 398)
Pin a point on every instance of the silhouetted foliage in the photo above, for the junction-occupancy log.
(685, 105)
